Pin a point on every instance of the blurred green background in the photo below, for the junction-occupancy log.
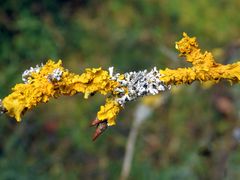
(191, 136)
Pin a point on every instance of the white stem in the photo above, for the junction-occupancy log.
(141, 114)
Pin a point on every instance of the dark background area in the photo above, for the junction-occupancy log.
(191, 136)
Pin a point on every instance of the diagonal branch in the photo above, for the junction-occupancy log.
(51, 81)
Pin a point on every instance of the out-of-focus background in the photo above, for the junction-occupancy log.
(193, 134)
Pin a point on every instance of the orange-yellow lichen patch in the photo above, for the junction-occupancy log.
(204, 66)
(40, 88)
(109, 111)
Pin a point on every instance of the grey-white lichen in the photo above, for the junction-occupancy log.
(26, 75)
(56, 75)
(137, 84)
(2, 109)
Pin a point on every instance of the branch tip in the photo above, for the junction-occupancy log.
(101, 127)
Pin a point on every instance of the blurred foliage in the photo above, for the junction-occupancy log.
(190, 137)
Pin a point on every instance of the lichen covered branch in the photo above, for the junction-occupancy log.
(204, 67)
(51, 80)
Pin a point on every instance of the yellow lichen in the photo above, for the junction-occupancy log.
(109, 111)
(204, 66)
(40, 89)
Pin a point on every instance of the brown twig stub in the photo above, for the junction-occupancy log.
(95, 122)
(101, 126)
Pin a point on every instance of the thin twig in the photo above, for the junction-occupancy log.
(141, 114)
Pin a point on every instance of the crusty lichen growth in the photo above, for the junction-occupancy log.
(204, 67)
(109, 112)
(40, 87)
(52, 80)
